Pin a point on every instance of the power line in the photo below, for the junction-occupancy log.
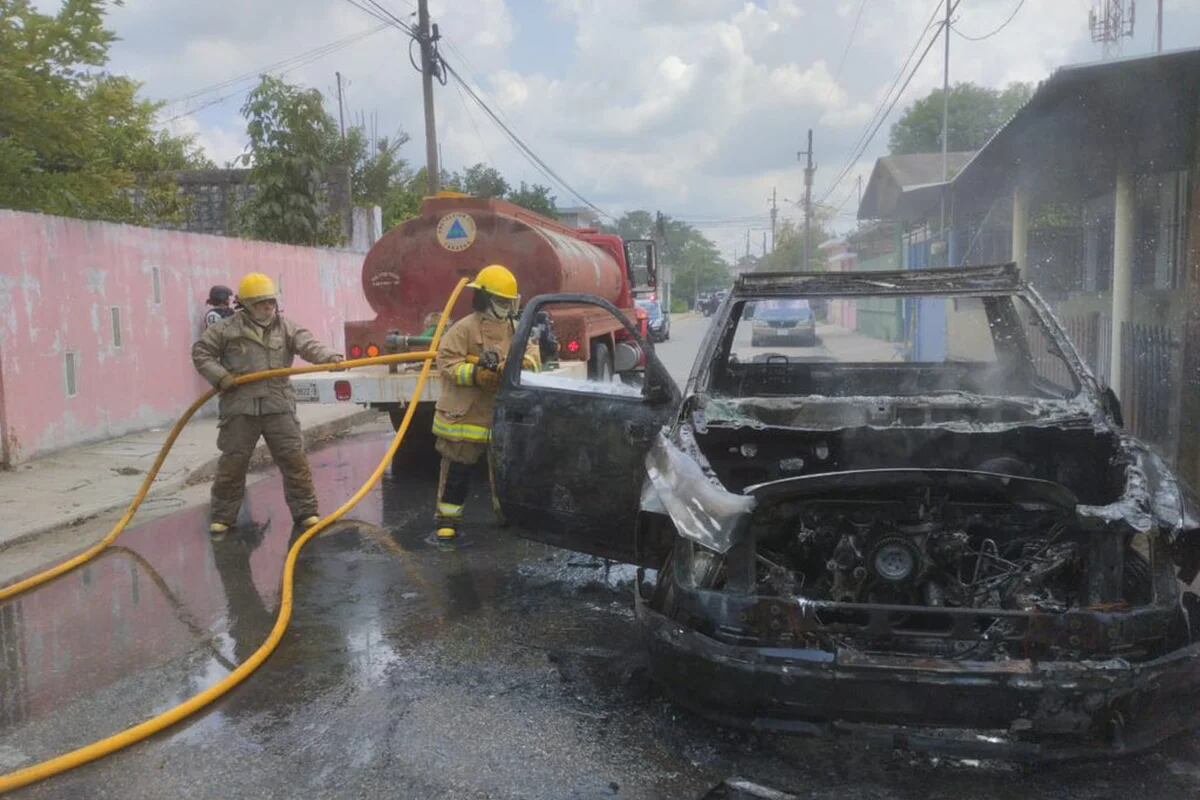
(322, 50)
(850, 41)
(376, 10)
(1003, 25)
(279, 68)
(294, 65)
(881, 114)
(533, 157)
(389, 15)
(483, 148)
(899, 73)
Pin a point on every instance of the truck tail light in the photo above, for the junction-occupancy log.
(342, 390)
(573, 346)
(356, 351)
(372, 351)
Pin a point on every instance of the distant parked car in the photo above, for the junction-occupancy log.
(708, 302)
(783, 321)
(659, 322)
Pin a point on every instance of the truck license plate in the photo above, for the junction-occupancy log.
(305, 392)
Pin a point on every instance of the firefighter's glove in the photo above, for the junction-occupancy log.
(487, 379)
(490, 360)
(226, 384)
(337, 359)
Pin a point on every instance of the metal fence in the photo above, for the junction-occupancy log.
(1152, 357)
(1150, 354)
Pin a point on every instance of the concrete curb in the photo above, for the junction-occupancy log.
(313, 436)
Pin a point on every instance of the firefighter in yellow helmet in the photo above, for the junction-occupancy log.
(254, 339)
(470, 361)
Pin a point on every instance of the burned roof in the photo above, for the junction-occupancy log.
(995, 279)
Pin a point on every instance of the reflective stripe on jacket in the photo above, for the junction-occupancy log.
(464, 410)
(237, 346)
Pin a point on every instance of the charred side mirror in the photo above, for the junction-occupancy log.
(1112, 406)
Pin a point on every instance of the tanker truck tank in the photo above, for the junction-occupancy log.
(408, 273)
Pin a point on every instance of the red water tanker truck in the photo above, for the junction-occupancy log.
(410, 272)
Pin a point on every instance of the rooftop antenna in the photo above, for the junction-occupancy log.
(1110, 22)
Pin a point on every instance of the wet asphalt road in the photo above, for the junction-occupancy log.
(500, 669)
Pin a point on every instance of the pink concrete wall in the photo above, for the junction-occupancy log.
(59, 280)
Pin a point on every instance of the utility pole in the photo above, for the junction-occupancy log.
(946, 113)
(859, 191)
(427, 38)
(809, 169)
(747, 243)
(1158, 35)
(774, 213)
(764, 244)
(341, 112)
(666, 270)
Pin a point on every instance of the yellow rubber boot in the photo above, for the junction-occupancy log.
(217, 528)
(446, 533)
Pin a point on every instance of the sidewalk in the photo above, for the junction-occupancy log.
(851, 346)
(79, 483)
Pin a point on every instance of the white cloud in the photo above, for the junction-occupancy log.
(695, 107)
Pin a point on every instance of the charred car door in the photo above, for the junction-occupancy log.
(568, 453)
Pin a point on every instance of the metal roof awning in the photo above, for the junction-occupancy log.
(1082, 121)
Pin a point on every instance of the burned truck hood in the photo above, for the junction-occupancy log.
(1028, 493)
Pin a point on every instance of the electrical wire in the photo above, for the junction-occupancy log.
(1003, 25)
(478, 136)
(533, 157)
(293, 64)
(880, 114)
(376, 10)
(324, 49)
(849, 42)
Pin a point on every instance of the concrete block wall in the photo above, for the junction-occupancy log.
(110, 312)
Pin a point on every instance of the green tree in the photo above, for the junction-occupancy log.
(478, 180)
(291, 141)
(788, 255)
(75, 140)
(536, 198)
(377, 172)
(975, 113)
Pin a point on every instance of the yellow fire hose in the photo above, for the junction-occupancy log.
(144, 730)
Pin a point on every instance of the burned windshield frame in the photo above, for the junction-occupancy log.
(1026, 342)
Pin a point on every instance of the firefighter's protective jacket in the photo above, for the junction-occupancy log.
(237, 346)
(464, 409)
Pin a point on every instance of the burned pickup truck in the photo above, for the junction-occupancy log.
(928, 527)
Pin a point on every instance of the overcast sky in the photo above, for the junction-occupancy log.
(694, 107)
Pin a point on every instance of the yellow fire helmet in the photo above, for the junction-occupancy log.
(496, 280)
(255, 288)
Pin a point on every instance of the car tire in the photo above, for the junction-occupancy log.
(600, 365)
